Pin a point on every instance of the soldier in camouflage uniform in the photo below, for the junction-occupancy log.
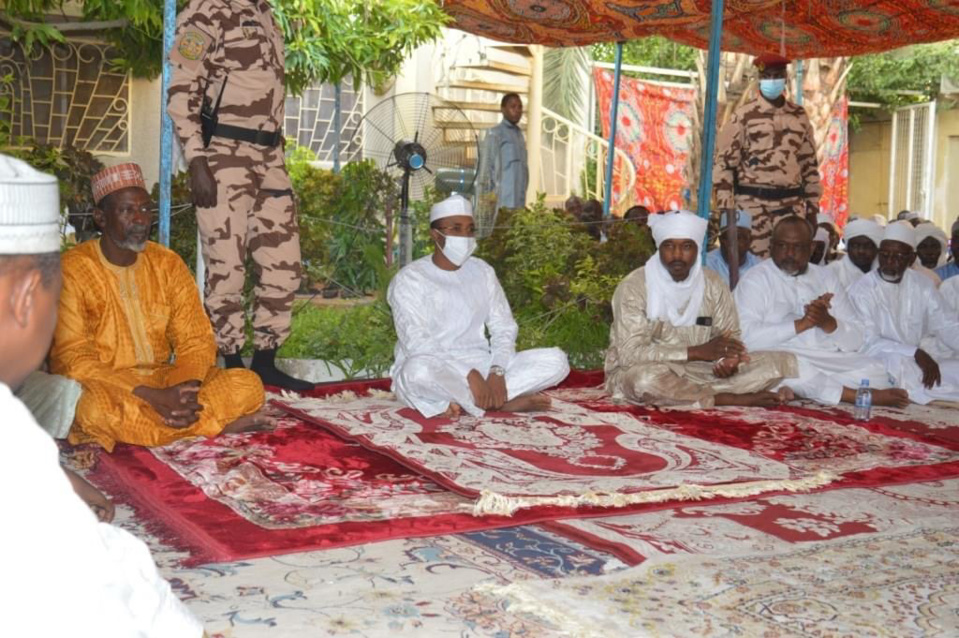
(228, 58)
(766, 159)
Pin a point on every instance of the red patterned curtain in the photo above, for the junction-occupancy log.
(654, 128)
(834, 168)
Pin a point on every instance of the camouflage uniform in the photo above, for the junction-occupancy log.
(767, 147)
(239, 43)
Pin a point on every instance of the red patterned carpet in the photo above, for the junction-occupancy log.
(301, 487)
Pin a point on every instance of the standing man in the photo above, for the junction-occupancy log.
(226, 102)
(766, 157)
(505, 168)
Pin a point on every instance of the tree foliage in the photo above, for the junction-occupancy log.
(326, 40)
(653, 51)
(565, 92)
(879, 77)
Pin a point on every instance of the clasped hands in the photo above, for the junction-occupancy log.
(726, 353)
(817, 316)
(177, 405)
(488, 393)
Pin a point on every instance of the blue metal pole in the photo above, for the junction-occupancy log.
(799, 80)
(613, 115)
(709, 117)
(166, 124)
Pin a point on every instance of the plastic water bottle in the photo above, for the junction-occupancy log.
(863, 401)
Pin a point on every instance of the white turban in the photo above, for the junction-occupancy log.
(29, 209)
(901, 231)
(678, 225)
(880, 219)
(821, 235)
(450, 207)
(675, 302)
(863, 228)
(926, 230)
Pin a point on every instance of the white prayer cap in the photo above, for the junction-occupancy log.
(450, 207)
(680, 224)
(906, 215)
(880, 219)
(743, 220)
(901, 231)
(821, 235)
(863, 228)
(29, 209)
(926, 230)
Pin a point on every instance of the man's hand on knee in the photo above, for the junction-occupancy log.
(177, 405)
(482, 393)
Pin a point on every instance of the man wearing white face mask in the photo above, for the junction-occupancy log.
(443, 306)
(766, 157)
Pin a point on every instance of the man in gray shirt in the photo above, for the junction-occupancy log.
(504, 166)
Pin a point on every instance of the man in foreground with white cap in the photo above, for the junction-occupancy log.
(862, 237)
(65, 574)
(675, 336)
(443, 305)
(902, 312)
(718, 259)
(787, 303)
(133, 333)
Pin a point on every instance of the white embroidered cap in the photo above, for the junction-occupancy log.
(450, 207)
(29, 209)
(863, 228)
(901, 231)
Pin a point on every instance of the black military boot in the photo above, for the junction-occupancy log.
(264, 364)
(233, 360)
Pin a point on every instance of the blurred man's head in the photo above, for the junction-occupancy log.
(791, 245)
(639, 215)
(574, 206)
(29, 267)
(744, 238)
(511, 106)
(592, 217)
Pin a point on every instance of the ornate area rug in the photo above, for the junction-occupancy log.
(901, 584)
(589, 451)
(767, 523)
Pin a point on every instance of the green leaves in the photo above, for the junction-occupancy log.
(881, 76)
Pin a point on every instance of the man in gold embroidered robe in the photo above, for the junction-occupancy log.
(675, 336)
(132, 331)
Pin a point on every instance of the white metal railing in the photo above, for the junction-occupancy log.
(573, 161)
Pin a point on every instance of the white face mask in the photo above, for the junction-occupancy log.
(458, 249)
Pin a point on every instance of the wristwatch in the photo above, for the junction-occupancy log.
(497, 370)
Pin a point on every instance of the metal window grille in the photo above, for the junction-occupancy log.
(309, 118)
(913, 159)
(67, 95)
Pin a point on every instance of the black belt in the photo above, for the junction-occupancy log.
(766, 192)
(262, 138)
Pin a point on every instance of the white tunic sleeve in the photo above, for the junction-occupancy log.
(752, 297)
(849, 335)
(877, 320)
(942, 321)
(501, 325)
(410, 317)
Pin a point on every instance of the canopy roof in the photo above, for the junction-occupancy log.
(814, 28)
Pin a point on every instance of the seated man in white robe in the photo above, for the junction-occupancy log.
(902, 312)
(675, 336)
(443, 305)
(862, 237)
(718, 259)
(788, 303)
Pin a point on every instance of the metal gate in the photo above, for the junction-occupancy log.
(912, 164)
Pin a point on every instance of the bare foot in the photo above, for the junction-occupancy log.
(892, 397)
(256, 422)
(452, 412)
(753, 399)
(528, 403)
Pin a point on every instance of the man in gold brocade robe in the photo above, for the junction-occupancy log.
(675, 336)
(133, 333)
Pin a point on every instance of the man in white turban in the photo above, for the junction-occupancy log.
(932, 245)
(862, 237)
(675, 336)
(64, 573)
(443, 306)
(820, 247)
(902, 313)
(788, 303)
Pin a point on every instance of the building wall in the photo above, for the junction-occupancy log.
(869, 160)
(144, 130)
